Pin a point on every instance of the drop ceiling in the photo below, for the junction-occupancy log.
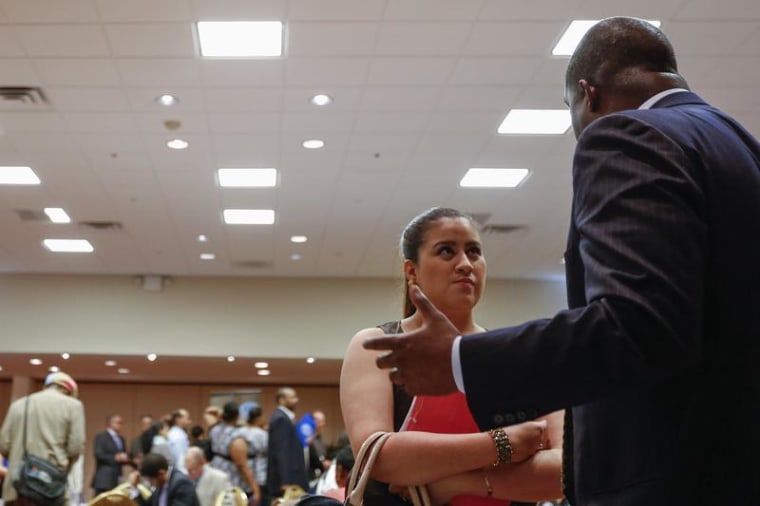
(419, 89)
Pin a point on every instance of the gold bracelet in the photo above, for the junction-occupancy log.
(503, 446)
(489, 487)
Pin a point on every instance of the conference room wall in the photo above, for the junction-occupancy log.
(280, 317)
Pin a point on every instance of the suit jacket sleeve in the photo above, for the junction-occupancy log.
(279, 440)
(182, 493)
(639, 229)
(105, 449)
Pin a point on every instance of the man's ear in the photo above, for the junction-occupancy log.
(591, 95)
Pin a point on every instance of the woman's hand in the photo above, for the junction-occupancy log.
(526, 439)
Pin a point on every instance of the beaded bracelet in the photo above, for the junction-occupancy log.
(503, 446)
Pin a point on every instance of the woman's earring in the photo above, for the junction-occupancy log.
(411, 281)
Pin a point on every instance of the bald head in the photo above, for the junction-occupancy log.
(619, 64)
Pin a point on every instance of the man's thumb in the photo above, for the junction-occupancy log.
(421, 302)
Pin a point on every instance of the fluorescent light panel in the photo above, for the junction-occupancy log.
(18, 176)
(493, 178)
(57, 215)
(68, 245)
(535, 121)
(247, 178)
(240, 38)
(248, 216)
(575, 32)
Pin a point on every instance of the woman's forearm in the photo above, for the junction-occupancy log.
(536, 479)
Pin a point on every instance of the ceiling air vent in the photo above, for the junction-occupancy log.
(22, 97)
(31, 215)
(251, 264)
(101, 225)
(502, 229)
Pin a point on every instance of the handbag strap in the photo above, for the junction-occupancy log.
(26, 412)
(365, 459)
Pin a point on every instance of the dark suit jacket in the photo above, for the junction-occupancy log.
(660, 350)
(107, 470)
(181, 492)
(286, 460)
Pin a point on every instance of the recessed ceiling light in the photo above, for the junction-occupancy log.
(575, 32)
(68, 245)
(248, 216)
(298, 238)
(202, 238)
(240, 38)
(18, 175)
(230, 358)
(122, 370)
(167, 100)
(65, 356)
(261, 365)
(535, 121)
(54, 368)
(35, 361)
(207, 256)
(321, 99)
(177, 144)
(295, 257)
(246, 178)
(311, 360)
(264, 372)
(110, 363)
(57, 215)
(493, 178)
(152, 357)
(314, 144)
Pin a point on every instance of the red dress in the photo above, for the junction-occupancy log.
(447, 414)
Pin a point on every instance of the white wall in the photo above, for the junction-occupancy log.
(190, 316)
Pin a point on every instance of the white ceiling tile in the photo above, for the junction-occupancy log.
(387, 163)
(463, 122)
(484, 99)
(646, 9)
(492, 71)
(433, 10)
(10, 45)
(112, 143)
(38, 122)
(244, 99)
(390, 143)
(707, 9)
(227, 10)
(117, 161)
(447, 144)
(35, 142)
(397, 98)
(87, 99)
(76, 72)
(160, 72)
(535, 10)
(337, 10)
(410, 71)
(264, 146)
(313, 123)
(751, 45)
(144, 10)
(242, 72)
(425, 39)
(551, 73)
(326, 71)
(540, 97)
(161, 39)
(65, 41)
(17, 73)
(331, 39)
(100, 122)
(44, 11)
(513, 38)
(244, 123)
(390, 122)
(709, 38)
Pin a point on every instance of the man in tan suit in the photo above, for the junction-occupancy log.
(209, 482)
(54, 429)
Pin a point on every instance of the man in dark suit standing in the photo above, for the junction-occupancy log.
(171, 486)
(286, 463)
(110, 455)
(658, 353)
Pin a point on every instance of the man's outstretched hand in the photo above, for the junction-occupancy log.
(420, 360)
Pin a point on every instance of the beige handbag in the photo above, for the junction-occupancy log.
(364, 461)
